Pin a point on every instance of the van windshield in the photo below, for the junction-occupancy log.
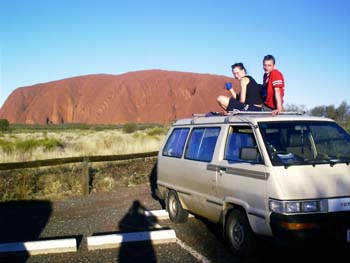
(301, 143)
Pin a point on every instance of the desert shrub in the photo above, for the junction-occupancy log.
(4, 125)
(50, 184)
(157, 131)
(17, 185)
(6, 146)
(50, 144)
(54, 182)
(138, 135)
(103, 183)
(26, 146)
(106, 142)
(153, 137)
(130, 127)
(29, 145)
(25, 187)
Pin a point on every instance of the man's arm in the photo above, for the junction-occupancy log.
(278, 102)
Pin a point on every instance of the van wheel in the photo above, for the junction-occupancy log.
(239, 235)
(176, 213)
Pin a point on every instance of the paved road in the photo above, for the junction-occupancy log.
(199, 240)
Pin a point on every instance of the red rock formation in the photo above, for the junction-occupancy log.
(155, 96)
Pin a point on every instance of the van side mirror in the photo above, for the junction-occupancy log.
(248, 154)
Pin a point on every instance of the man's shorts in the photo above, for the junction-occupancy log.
(265, 108)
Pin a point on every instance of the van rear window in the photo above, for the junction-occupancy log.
(201, 144)
(176, 142)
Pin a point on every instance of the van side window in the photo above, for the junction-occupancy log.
(238, 137)
(201, 144)
(176, 142)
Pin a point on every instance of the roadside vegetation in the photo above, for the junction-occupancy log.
(340, 113)
(35, 142)
(64, 181)
(21, 143)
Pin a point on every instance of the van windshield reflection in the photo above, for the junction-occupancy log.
(302, 143)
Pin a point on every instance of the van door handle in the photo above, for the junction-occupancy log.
(221, 170)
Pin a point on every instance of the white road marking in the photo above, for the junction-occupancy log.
(159, 214)
(193, 252)
(41, 247)
(116, 240)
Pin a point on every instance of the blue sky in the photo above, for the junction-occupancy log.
(45, 40)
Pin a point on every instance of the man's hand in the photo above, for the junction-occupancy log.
(275, 112)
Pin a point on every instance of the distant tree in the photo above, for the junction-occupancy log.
(294, 107)
(331, 112)
(341, 114)
(130, 127)
(318, 111)
(4, 125)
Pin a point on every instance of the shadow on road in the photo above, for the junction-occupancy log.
(273, 251)
(153, 183)
(22, 221)
(136, 221)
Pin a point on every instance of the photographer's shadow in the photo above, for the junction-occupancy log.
(22, 221)
(135, 220)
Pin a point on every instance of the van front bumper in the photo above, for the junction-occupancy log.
(316, 227)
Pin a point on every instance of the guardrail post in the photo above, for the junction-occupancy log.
(85, 177)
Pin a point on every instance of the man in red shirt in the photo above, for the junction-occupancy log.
(274, 86)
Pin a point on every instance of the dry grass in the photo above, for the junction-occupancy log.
(60, 182)
(64, 181)
(39, 145)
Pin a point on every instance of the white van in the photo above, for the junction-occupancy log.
(257, 174)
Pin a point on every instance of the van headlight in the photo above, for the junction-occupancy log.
(292, 207)
(310, 206)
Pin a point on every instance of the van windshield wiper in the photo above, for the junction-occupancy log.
(334, 161)
(288, 159)
(286, 165)
(317, 161)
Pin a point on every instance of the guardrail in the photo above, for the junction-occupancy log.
(59, 161)
(84, 160)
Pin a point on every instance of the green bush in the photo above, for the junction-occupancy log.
(27, 146)
(157, 131)
(6, 146)
(4, 125)
(130, 127)
(50, 144)
(138, 135)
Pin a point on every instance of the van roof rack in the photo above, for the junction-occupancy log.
(198, 115)
(238, 112)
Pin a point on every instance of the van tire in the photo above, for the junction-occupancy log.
(176, 213)
(239, 234)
